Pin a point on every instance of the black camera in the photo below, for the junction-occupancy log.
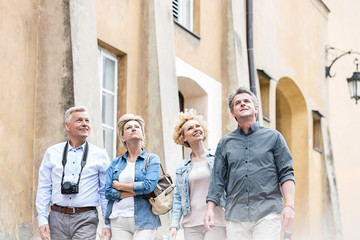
(69, 188)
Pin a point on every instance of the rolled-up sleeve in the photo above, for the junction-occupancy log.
(283, 160)
(151, 177)
(176, 211)
(103, 167)
(110, 192)
(217, 182)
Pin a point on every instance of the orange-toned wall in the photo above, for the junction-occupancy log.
(344, 113)
(289, 39)
(204, 53)
(18, 51)
(118, 24)
(289, 42)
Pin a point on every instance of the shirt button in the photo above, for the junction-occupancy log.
(246, 148)
(246, 161)
(246, 190)
(245, 175)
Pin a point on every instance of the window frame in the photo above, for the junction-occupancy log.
(103, 53)
(181, 16)
(317, 132)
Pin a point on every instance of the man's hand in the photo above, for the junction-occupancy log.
(287, 216)
(44, 232)
(173, 232)
(209, 216)
(288, 213)
(106, 234)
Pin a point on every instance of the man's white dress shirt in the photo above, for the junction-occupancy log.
(92, 180)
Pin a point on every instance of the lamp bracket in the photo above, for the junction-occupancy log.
(328, 52)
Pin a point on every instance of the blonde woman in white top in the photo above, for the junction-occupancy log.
(128, 182)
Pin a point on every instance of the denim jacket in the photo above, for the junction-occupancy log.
(181, 204)
(144, 183)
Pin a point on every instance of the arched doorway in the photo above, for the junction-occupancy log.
(193, 95)
(203, 93)
(292, 122)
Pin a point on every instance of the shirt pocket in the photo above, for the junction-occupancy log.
(116, 172)
(180, 178)
(180, 172)
(140, 174)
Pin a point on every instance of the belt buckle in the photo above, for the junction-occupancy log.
(73, 210)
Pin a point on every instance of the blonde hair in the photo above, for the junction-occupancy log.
(127, 118)
(188, 114)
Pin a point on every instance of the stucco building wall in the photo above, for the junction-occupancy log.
(18, 49)
(344, 114)
(290, 38)
(48, 55)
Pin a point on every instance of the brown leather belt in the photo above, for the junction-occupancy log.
(68, 210)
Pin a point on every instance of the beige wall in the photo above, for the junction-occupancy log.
(36, 90)
(290, 44)
(18, 50)
(118, 24)
(344, 113)
(204, 53)
(289, 41)
(54, 81)
(37, 61)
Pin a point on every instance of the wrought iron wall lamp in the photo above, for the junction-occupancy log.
(354, 81)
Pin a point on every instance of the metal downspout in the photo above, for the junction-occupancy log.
(250, 45)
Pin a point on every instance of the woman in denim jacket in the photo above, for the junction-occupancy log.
(192, 182)
(128, 182)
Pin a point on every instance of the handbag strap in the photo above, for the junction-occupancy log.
(147, 163)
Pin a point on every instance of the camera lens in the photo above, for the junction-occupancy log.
(66, 185)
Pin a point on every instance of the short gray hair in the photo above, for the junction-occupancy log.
(74, 109)
(239, 91)
(127, 118)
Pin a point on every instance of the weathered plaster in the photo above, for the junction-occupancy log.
(85, 63)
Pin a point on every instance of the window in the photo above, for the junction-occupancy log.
(317, 136)
(181, 102)
(264, 81)
(183, 12)
(108, 65)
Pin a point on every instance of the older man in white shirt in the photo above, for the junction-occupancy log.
(72, 179)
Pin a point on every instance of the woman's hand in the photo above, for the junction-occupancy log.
(173, 232)
(116, 185)
(125, 188)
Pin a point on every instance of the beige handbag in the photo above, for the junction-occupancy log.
(161, 199)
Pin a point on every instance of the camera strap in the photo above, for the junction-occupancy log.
(83, 161)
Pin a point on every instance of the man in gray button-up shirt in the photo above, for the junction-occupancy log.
(251, 163)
